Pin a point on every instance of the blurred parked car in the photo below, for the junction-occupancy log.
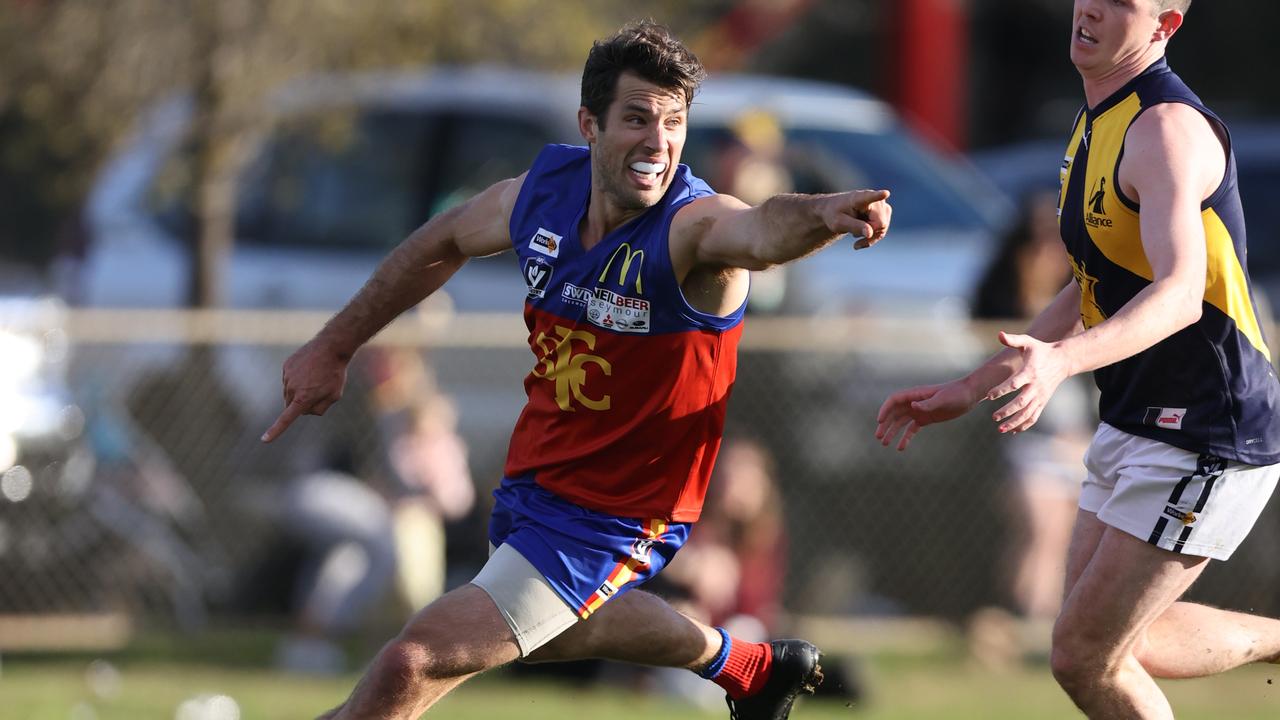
(39, 424)
(351, 165)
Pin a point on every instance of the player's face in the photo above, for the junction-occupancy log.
(636, 151)
(1106, 33)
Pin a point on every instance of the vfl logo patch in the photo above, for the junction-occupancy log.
(1167, 418)
(537, 274)
(619, 313)
(640, 550)
(546, 242)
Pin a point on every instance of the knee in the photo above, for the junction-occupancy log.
(408, 663)
(405, 664)
(1077, 663)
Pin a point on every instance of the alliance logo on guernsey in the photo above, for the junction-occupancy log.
(1096, 216)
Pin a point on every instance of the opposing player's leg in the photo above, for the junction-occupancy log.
(1124, 587)
(1190, 640)
(1193, 640)
(1151, 516)
(459, 635)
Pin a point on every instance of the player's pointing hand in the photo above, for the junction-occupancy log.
(865, 214)
(313, 378)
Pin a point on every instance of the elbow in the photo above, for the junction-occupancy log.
(1193, 311)
(1189, 308)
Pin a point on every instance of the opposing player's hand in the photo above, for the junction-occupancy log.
(906, 411)
(864, 214)
(313, 379)
(1043, 370)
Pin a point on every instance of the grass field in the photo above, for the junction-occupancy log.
(138, 685)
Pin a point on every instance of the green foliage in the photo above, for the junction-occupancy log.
(75, 75)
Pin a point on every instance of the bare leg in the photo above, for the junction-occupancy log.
(459, 635)
(1187, 640)
(1190, 640)
(1122, 588)
(637, 627)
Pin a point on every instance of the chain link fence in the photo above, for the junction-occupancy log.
(160, 503)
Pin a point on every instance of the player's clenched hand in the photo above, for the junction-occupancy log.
(865, 214)
(1043, 370)
(906, 411)
(313, 380)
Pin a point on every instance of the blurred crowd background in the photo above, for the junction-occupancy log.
(189, 188)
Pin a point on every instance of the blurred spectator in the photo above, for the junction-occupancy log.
(1029, 269)
(431, 462)
(344, 528)
(749, 165)
(732, 569)
(431, 478)
(359, 535)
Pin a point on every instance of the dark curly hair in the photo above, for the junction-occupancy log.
(646, 49)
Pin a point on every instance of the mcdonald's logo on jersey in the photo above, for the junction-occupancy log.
(628, 257)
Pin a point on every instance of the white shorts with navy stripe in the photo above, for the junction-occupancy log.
(1175, 499)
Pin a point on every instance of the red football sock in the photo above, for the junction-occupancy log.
(746, 669)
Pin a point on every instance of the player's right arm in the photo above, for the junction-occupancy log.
(315, 375)
(906, 411)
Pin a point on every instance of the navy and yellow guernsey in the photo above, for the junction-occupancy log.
(1210, 387)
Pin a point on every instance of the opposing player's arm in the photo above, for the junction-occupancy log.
(1173, 160)
(723, 231)
(904, 413)
(315, 375)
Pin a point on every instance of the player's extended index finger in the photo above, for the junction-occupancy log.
(291, 413)
(863, 198)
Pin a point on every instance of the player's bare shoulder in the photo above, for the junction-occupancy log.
(481, 223)
(697, 226)
(1176, 143)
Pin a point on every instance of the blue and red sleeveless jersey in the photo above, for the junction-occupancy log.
(629, 385)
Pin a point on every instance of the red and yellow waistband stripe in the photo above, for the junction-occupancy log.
(622, 573)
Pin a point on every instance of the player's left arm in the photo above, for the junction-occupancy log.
(1173, 160)
(723, 231)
